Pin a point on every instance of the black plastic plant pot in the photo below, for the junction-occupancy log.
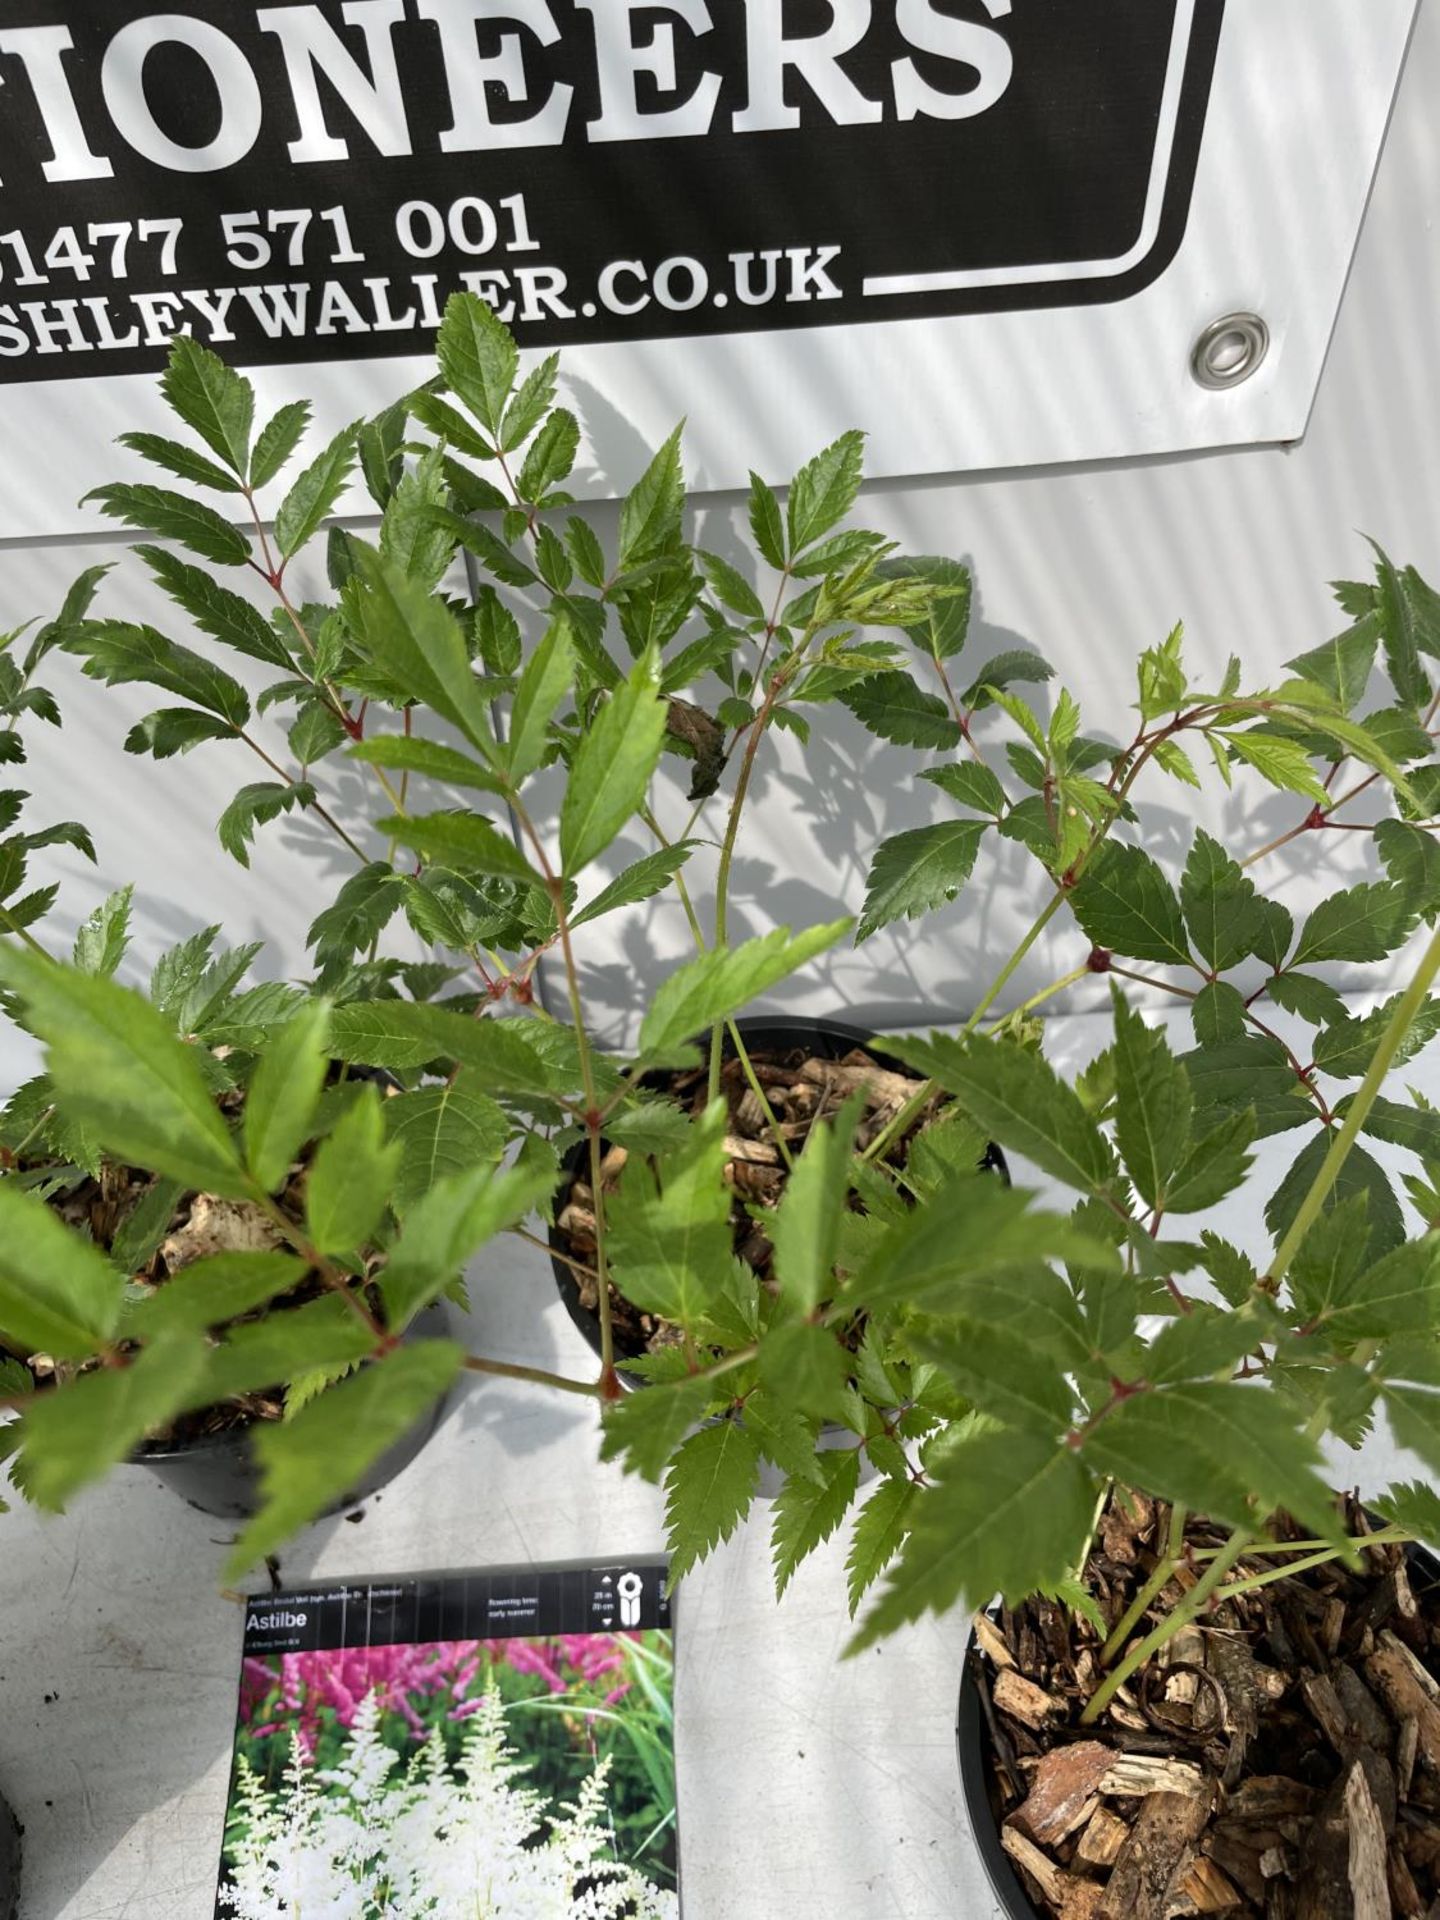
(9, 1864)
(972, 1741)
(781, 1033)
(980, 1811)
(219, 1474)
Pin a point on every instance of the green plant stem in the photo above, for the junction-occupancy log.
(314, 806)
(648, 820)
(747, 1067)
(565, 1259)
(727, 855)
(337, 1282)
(897, 1127)
(1329, 1171)
(1194, 1603)
(592, 1115)
(508, 1370)
(1321, 1558)
(1384, 1537)
(1153, 980)
(1160, 1578)
(22, 934)
(1070, 979)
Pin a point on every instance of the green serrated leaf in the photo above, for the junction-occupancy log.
(403, 753)
(1311, 999)
(722, 981)
(1342, 666)
(102, 940)
(895, 708)
(1206, 1341)
(1123, 901)
(308, 1463)
(766, 523)
(880, 1529)
(1019, 1099)
(414, 638)
(464, 842)
(216, 610)
(915, 872)
(1254, 1072)
(1009, 1515)
(807, 1513)
(443, 1130)
(645, 1429)
(361, 911)
(536, 395)
(1221, 906)
(184, 462)
(731, 587)
(1281, 762)
(978, 1246)
(58, 1293)
(670, 1238)
(174, 730)
(611, 771)
(213, 1291)
(314, 494)
(805, 1228)
(1218, 1013)
(1412, 1505)
(277, 440)
(1359, 1173)
(551, 456)
(73, 1436)
(350, 1181)
(445, 1226)
(1398, 631)
(1217, 1447)
(650, 513)
(120, 655)
(1173, 758)
(997, 1370)
(708, 1490)
(1361, 923)
(405, 1034)
(824, 490)
(969, 785)
(255, 806)
(1153, 1105)
(586, 552)
(212, 398)
(641, 881)
(412, 540)
(117, 1067)
(1346, 1048)
(283, 1094)
(806, 1365)
(174, 516)
(1214, 1165)
(543, 685)
(478, 359)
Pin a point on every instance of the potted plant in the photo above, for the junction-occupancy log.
(994, 1362)
(492, 904)
(1212, 1684)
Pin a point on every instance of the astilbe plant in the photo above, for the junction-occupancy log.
(410, 1182)
(993, 1360)
(365, 1838)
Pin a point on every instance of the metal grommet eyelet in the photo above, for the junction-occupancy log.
(1230, 350)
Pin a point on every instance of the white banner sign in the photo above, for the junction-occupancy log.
(989, 231)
